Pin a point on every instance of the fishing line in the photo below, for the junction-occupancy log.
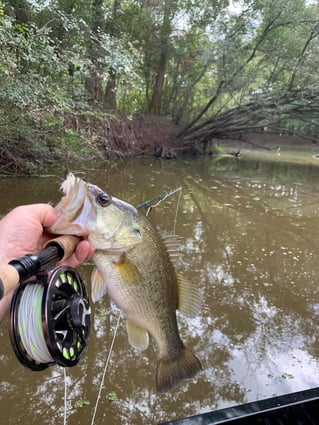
(177, 209)
(30, 324)
(50, 312)
(50, 320)
(161, 197)
(106, 366)
(65, 397)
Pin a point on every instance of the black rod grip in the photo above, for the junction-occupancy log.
(22, 268)
(31, 264)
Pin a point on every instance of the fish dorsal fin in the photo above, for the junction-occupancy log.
(188, 296)
(98, 287)
(172, 243)
(137, 337)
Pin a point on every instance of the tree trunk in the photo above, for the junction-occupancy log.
(156, 101)
(94, 82)
(110, 91)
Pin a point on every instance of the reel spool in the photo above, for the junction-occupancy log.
(50, 320)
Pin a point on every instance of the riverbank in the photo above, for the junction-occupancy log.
(28, 148)
(83, 138)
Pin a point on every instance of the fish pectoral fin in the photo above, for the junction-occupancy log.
(128, 272)
(137, 336)
(98, 286)
(188, 297)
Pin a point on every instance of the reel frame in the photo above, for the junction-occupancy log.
(65, 315)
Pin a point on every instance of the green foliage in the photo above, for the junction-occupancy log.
(60, 58)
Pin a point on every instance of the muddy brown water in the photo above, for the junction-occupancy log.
(250, 244)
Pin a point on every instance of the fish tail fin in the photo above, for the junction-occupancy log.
(171, 372)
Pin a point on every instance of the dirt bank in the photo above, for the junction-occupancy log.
(107, 137)
(148, 135)
(129, 135)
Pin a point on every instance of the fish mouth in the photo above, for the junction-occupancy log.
(79, 214)
(74, 211)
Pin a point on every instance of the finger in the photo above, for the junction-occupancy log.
(83, 252)
(43, 213)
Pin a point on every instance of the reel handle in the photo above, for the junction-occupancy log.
(24, 267)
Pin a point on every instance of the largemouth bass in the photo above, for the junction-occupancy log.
(134, 266)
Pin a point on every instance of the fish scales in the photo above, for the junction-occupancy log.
(130, 296)
(134, 267)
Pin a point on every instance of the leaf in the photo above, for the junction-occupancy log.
(81, 403)
(287, 375)
(238, 337)
(112, 396)
(103, 313)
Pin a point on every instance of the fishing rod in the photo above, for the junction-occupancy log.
(22, 268)
(50, 313)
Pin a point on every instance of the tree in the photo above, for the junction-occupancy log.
(95, 48)
(258, 60)
(223, 68)
(164, 45)
(114, 30)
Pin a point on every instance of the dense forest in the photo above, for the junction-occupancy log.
(107, 78)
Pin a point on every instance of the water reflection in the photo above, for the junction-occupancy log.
(249, 245)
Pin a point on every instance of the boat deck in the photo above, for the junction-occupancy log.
(300, 408)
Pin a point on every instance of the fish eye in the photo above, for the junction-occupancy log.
(103, 199)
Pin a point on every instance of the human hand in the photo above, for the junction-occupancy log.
(22, 232)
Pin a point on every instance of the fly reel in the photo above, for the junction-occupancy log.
(50, 320)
